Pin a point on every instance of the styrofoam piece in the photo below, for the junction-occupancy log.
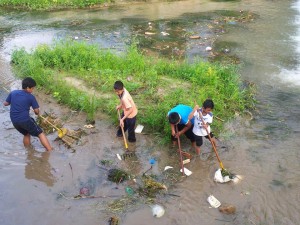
(215, 203)
(168, 167)
(186, 171)
(237, 178)
(139, 128)
(119, 157)
(186, 161)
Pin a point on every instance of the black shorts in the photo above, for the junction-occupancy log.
(189, 133)
(199, 139)
(28, 127)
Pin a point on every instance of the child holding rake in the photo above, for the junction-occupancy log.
(200, 129)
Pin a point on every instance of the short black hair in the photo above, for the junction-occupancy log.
(28, 82)
(208, 103)
(118, 85)
(174, 118)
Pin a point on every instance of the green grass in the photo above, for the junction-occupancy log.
(155, 84)
(50, 4)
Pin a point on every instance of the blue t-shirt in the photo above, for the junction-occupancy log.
(20, 103)
(184, 112)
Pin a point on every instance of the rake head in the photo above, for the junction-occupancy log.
(62, 132)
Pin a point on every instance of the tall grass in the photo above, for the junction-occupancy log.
(156, 85)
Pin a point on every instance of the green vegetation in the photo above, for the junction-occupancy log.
(50, 4)
(156, 85)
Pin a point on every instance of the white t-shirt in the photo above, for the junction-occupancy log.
(198, 129)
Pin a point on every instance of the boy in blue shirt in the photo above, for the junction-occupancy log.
(179, 116)
(20, 102)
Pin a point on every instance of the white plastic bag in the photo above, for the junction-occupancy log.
(219, 178)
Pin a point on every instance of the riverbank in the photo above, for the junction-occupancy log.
(81, 76)
(53, 4)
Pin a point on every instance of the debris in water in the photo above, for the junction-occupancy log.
(227, 209)
(158, 211)
(168, 167)
(113, 220)
(195, 37)
(117, 175)
(213, 201)
(84, 191)
(186, 171)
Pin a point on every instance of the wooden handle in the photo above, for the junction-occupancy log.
(125, 142)
(214, 147)
(180, 151)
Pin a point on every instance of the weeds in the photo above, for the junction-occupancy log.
(157, 85)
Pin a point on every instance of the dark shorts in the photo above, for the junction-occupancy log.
(28, 127)
(199, 139)
(189, 133)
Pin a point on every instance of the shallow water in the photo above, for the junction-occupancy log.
(264, 150)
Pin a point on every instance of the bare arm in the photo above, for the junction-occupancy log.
(187, 126)
(6, 103)
(36, 111)
(127, 112)
(192, 113)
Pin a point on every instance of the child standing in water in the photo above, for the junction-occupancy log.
(200, 128)
(128, 116)
(20, 102)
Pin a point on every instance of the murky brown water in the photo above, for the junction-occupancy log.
(265, 150)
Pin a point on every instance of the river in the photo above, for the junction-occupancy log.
(264, 150)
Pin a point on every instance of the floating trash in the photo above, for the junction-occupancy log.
(222, 177)
(215, 203)
(168, 167)
(186, 171)
(129, 191)
(84, 191)
(113, 221)
(227, 209)
(157, 211)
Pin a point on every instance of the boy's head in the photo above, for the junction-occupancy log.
(208, 105)
(118, 86)
(174, 118)
(28, 83)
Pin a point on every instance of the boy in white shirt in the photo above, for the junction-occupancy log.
(200, 128)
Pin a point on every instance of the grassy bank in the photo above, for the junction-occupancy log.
(156, 85)
(50, 4)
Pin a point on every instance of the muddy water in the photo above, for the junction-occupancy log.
(264, 150)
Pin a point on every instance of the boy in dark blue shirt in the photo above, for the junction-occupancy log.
(20, 102)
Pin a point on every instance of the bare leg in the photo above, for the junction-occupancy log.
(174, 143)
(26, 140)
(198, 150)
(45, 142)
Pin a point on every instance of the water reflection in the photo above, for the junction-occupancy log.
(39, 168)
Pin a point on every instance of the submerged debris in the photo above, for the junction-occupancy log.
(113, 220)
(47, 128)
(117, 175)
(72, 137)
(151, 187)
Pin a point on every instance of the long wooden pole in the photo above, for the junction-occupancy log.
(125, 142)
(180, 151)
(214, 147)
